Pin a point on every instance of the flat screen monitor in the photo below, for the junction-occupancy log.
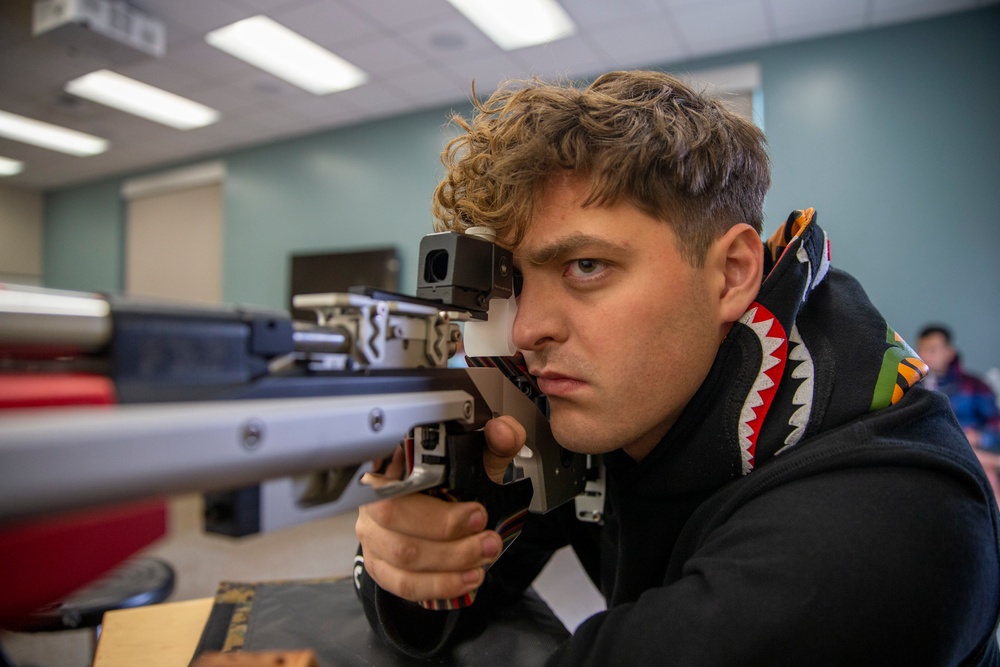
(317, 273)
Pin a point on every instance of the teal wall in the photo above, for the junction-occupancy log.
(83, 245)
(891, 134)
(354, 188)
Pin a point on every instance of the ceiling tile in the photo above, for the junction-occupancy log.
(71, 112)
(374, 98)
(797, 18)
(185, 19)
(721, 26)
(160, 73)
(738, 42)
(593, 13)
(670, 5)
(264, 6)
(570, 57)
(32, 156)
(199, 58)
(263, 88)
(399, 13)
(428, 85)
(487, 71)
(328, 24)
(39, 72)
(449, 39)
(652, 41)
(222, 95)
(262, 122)
(122, 129)
(380, 55)
(329, 108)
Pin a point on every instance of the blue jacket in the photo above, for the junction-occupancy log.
(974, 404)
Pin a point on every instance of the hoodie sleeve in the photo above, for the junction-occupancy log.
(403, 625)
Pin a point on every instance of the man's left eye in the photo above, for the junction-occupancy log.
(583, 268)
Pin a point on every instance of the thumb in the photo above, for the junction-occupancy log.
(504, 438)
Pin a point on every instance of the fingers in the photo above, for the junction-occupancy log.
(440, 554)
(426, 517)
(418, 570)
(414, 556)
(417, 587)
(504, 438)
(419, 547)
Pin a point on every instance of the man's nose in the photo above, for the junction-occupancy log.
(539, 319)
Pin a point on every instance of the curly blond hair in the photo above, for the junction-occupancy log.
(642, 137)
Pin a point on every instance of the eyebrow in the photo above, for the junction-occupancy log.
(566, 246)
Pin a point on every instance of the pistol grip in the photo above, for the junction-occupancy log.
(506, 504)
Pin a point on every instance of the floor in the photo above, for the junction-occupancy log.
(320, 548)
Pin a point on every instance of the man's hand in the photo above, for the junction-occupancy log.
(422, 548)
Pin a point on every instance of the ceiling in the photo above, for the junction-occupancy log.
(419, 54)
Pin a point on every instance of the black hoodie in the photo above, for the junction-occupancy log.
(810, 507)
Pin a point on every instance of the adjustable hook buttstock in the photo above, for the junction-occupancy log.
(506, 504)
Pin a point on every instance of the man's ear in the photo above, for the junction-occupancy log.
(738, 258)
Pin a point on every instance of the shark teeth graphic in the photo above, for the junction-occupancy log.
(804, 394)
(824, 265)
(803, 258)
(773, 347)
(816, 274)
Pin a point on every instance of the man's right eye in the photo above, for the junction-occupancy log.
(518, 281)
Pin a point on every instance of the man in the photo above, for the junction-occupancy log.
(972, 400)
(778, 491)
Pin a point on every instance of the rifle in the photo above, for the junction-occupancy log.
(277, 421)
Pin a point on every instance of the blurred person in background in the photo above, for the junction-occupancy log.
(973, 401)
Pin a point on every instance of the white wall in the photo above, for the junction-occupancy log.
(20, 236)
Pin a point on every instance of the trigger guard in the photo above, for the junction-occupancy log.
(420, 479)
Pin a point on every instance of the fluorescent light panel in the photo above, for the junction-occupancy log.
(53, 137)
(10, 167)
(274, 48)
(134, 97)
(515, 24)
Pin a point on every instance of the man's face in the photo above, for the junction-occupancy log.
(936, 352)
(618, 328)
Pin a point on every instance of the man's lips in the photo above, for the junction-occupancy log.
(554, 384)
